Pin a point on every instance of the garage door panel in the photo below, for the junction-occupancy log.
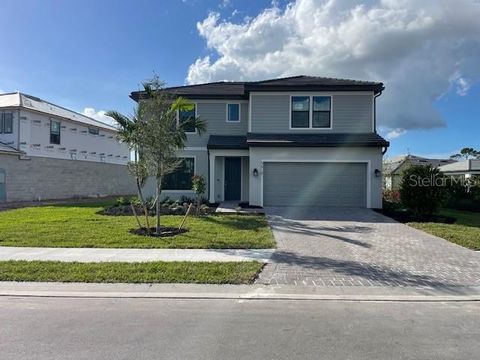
(314, 184)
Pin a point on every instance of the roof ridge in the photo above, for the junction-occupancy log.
(36, 98)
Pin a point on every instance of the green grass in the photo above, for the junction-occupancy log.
(80, 226)
(465, 231)
(154, 272)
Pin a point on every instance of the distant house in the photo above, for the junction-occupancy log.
(49, 152)
(466, 168)
(393, 168)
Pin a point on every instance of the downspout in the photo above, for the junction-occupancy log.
(375, 110)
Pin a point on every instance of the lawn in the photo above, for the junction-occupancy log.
(153, 272)
(79, 225)
(465, 231)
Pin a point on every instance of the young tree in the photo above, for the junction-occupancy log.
(127, 134)
(160, 135)
(199, 185)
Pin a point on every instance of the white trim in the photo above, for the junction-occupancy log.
(194, 173)
(239, 113)
(311, 92)
(223, 178)
(369, 175)
(249, 112)
(212, 177)
(310, 112)
(196, 115)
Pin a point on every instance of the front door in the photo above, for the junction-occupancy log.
(233, 178)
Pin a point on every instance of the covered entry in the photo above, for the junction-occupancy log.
(330, 184)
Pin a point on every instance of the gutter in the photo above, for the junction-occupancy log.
(375, 109)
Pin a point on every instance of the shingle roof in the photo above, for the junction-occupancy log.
(227, 142)
(314, 140)
(391, 165)
(240, 90)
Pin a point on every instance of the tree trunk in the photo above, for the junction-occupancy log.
(158, 192)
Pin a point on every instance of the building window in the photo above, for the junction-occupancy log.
(321, 112)
(181, 178)
(300, 112)
(184, 115)
(54, 132)
(311, 112)
(93, 130)
(6, 123)
(233, 112)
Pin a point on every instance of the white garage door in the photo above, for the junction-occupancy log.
(314, 184)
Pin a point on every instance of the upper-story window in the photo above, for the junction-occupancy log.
(54, 132)
(93, 130)
(184, 115)
(6, 123)
(233, 112)
(311, 112)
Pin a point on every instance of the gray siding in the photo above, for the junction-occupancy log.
(214, 113)
(43, 178)
(351, 113)
(315, 184)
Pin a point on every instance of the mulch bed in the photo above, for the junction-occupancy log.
(165, 231)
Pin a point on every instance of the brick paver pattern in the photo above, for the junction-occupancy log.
(359, 247)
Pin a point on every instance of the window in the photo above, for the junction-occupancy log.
(181, 178)
(6, 123)
(300, 111)
(321, 112)
(93, 130)
(233, 112)
(184, 115)
(311, 112)
(54, 132)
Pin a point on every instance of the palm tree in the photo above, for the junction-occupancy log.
(127, 134)
(160, 135)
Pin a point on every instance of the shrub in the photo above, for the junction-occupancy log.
(422, 190)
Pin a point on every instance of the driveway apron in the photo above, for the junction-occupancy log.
(359, 247)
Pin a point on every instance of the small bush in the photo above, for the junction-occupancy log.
(422, 190)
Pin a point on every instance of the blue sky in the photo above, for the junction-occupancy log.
(92, 54)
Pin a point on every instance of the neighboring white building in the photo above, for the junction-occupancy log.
(466, 168)
(76, 155)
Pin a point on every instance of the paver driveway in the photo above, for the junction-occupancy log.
(359, 247)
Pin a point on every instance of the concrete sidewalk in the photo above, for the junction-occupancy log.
(132, 255)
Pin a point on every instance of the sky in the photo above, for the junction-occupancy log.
(89, 55)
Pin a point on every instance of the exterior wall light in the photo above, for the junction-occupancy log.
(378, 173)
(255, 172)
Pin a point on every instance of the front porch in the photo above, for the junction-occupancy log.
(229, 175)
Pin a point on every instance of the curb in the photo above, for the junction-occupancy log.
(244, 296)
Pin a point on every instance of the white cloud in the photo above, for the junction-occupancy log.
(225, 3)
(392, 134)
(419, 49)
(98, 115)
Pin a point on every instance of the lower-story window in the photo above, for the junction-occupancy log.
(181, 178)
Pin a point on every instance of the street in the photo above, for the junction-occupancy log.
(69, 328)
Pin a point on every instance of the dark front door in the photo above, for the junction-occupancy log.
(233, 178)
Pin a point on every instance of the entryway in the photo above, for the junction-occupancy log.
(233, 178)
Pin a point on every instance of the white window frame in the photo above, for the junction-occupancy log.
(239, 113)
(178, 119)
(173, 191)
(310, 113)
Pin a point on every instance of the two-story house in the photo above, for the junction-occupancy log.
(49, 152)
(297, 141)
